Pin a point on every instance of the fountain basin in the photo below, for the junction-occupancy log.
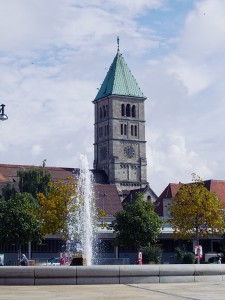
(126, 274)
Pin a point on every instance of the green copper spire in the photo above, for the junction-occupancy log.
(119, 80)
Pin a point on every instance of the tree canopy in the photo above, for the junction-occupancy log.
(53, 208)
(196, 212)
(138, 224)
(18, 221)
(34, 181)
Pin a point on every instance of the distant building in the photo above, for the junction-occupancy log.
(209, 245)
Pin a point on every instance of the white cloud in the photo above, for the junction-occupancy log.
(36, 150)
(54, 55)
(204, 29)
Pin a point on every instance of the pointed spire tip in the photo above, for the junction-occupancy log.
(118, 44)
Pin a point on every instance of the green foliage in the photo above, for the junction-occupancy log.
(8, 191)
(34, 181)
(137, 225)
(152, 253)
(18, 221)
(189, 258)
(180, 252)
(196, 212)
(184, 256)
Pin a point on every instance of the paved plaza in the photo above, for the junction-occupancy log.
(166, 291)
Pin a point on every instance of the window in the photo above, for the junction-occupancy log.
(135, 130)
(128, 110)
(133, 111)
(104, 111)
(132, 130)
(100, 113)
(123, 129)
(122, 110)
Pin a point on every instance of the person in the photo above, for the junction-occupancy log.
(62, 260)
(24, 260)
(219, 260)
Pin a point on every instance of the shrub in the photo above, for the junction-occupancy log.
(152, 253)
(184, 256)
(189, 258)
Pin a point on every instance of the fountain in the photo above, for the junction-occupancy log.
(82, 222)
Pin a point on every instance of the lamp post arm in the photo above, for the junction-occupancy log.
(3, 116)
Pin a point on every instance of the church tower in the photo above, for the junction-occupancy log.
(119, 142)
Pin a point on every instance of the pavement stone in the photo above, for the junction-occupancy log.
(158, 291)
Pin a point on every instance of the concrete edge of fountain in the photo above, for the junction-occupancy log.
(118, 274)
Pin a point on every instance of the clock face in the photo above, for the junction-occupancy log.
(103, 152)
(129, 151)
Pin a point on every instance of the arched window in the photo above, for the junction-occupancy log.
(128, 110)
(134, 111)
(132, 130)
(121, 129)
(100, 113)
(104, 111)
(122, 110)
(125, 129)
(135, 130)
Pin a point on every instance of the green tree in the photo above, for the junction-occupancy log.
(34, 181)
(151, 253)
(196, 212)
(138, 224)
(18, 221)
(8, 191)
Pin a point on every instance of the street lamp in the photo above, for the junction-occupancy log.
(3, 117)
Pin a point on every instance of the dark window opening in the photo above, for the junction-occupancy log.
(122, 110)
(128, 110)
(133, 111)
(135, 130)
(132, 130)
(104, 111)
(125, 129)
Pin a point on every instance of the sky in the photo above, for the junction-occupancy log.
(55, 54)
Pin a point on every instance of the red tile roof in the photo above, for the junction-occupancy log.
(169, 192)
(111, 203)
(216, 186)
(8, 173)
(107, 199)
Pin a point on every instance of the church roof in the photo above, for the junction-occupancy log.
(119, 81)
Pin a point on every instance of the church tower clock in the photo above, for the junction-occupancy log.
(119, 142)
